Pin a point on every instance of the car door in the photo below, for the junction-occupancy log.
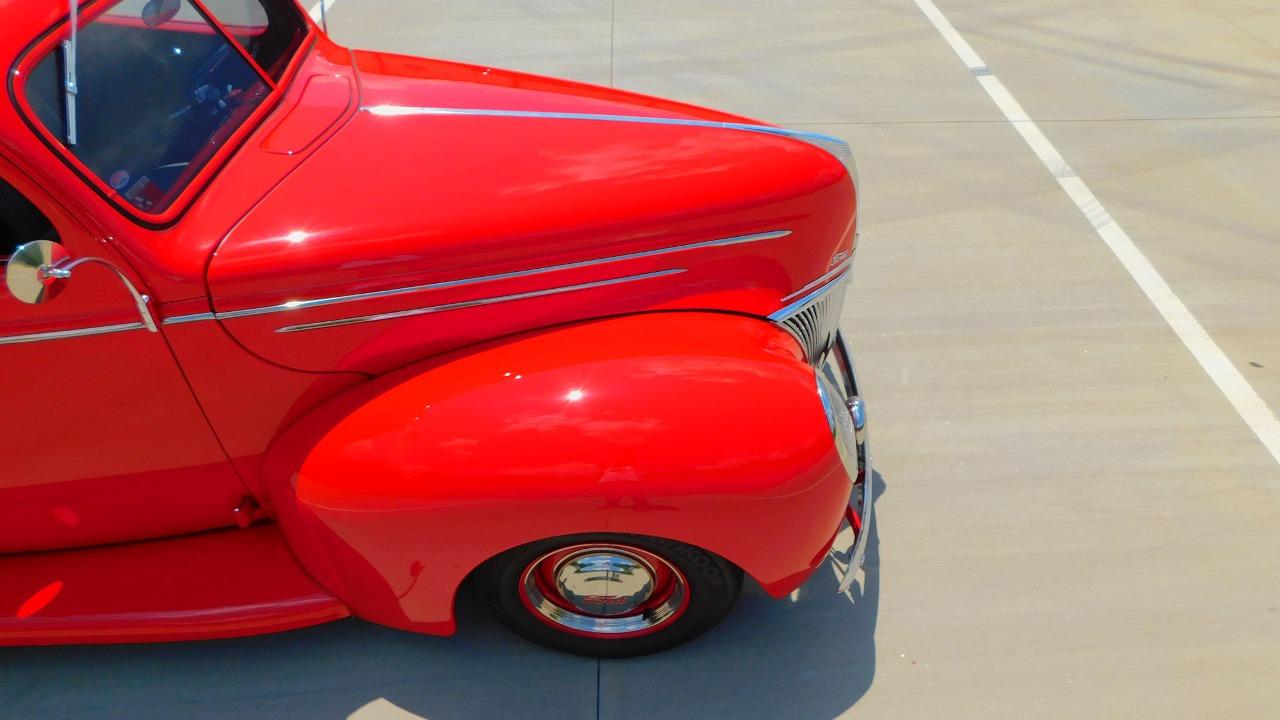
(101, 439)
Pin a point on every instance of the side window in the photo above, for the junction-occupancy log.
(20, 221)
(154, 101)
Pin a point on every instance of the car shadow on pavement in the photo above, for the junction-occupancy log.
(810, 656)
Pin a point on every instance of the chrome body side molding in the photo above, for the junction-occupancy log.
(182, 319)
(65, 334)
(471, 303)
(320, 302)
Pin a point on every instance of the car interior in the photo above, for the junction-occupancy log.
(150, 103)
(20, 221)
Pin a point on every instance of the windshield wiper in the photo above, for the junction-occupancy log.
(69, 47)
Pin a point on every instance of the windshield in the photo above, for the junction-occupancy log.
(160, 88)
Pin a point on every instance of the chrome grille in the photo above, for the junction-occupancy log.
(814, 319)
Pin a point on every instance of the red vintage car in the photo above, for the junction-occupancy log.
(295, 332)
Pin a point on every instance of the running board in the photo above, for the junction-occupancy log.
(225, 583)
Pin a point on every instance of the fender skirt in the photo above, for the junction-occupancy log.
(700, 427)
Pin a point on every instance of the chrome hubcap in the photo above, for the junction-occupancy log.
(603, 589)
(604, 583)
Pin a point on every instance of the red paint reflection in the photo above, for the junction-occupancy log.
(40, 600)
(65, 515)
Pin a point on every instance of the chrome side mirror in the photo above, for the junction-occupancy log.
(25, 273)
(38, 272)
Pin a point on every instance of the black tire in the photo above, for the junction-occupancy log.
(713, 585)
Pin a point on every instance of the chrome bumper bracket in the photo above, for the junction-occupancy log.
(862, 498)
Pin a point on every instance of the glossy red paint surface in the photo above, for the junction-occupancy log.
(220, 584)
(103, 440)
(250, 401)
(523, 193)
(701, 426)
(324, 101)
(716, 440)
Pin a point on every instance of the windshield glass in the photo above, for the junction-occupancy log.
(269, 30)
(159, 88)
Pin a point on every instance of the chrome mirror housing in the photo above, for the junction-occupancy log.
(38, 270)
(26, 275)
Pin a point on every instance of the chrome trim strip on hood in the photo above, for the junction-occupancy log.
(472, 303)
(405, 110)
(320, 302)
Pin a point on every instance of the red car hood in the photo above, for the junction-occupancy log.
(462, 203)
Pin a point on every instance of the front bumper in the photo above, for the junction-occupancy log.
(838, 383)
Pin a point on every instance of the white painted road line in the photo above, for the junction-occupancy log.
(1224, 374)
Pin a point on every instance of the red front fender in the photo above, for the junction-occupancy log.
(698, 427)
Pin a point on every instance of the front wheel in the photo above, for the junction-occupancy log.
(609, 596)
